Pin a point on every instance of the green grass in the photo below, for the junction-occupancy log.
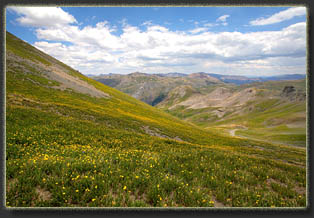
(67, 149)
(21, 48)
(80, 164)
(268, 122)
(267, 119)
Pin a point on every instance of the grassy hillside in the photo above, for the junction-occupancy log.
(74, 142)
(262, 111)
(188, 97)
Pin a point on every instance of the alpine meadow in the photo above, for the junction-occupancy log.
(143, 140)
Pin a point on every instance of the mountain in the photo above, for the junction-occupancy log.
(73, 142)
(239, 80)
(204, 76)
(235, 79)
(173, 74)
(284, 77)
(153, 88)
(273, 110)
(214, 100)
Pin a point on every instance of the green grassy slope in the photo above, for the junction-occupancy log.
(268, 116)
(281, 122)
(70, 149)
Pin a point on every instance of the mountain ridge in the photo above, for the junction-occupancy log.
(236, 79)
(155, 87)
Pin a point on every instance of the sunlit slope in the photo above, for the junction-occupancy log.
(71, 141)
(29, 83)
(273, 111)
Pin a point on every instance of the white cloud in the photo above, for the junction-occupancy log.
(159, 49)
(198, 30)
(280, 16)
(210, 24)
(123, 22)
(223, 18)
(43, 16)
(97, 49)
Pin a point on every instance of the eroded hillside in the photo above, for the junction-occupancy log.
(273, 111)
(265, 108)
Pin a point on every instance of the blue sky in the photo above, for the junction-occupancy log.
(259, 41)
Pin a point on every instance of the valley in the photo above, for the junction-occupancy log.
(271, 109)
(72, 141)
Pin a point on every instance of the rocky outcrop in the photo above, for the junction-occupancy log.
(292, 94)
(288, 90)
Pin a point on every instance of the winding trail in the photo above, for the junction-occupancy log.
(232, 132)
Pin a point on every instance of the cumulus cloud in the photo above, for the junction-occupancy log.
(158, 48)
(280, 16)
(43, 16)
(97, 49)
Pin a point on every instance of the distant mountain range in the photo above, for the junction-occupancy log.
(173, 74)
(152, 88)
(239, 80)
(235, 79)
